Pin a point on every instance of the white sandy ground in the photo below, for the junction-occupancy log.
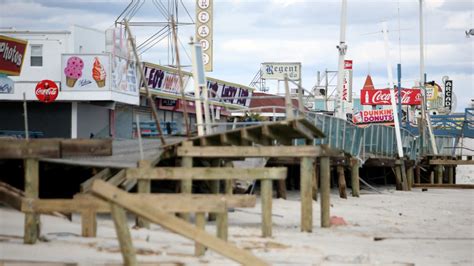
(424, 228)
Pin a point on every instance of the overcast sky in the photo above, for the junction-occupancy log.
(249, 32)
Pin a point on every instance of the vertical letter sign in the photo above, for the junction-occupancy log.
(448, 94)
(347, 85)
(204, 30)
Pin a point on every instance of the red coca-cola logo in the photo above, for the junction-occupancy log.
(382, 97)
(46, 91)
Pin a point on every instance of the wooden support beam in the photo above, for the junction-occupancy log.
(303, 130)
(143, 187)
(266, 195)
(123, 234)
(11, 196)
(454, 186)
(89, 223)
(410, 174)
(35, 148)
(155, 215)
(86, 147)
(186, 185)
(431, 172)
(249, 136)
(206, 173)
(103, 175)
(228, 139)
(450, 174)
(270, 135)
(325, 176)
(118, 178)
(439, 174)
(341, 182)
(315, 182)
(450, 162)
(199, 249)
(261, 151)
(222, 227)
(355, 183)
(306, 179)
(32, 220)
(403, 175)
(417, 174)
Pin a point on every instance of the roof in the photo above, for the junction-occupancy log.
(275, 100)
(368, 85)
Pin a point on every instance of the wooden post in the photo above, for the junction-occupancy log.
(266, 195)
(89, 223)
(123, 234)
(439, 174)
(325, 176)
(32, 220)
(398, 177)
(341, 182)
(214, 186)
(281, 188)
(410, 172)
(228, 183)
(143, 187)
(431, 176)
(199, 249)
(186, 185)
(306, 187)
(451, 175)
(222, 225)
(418, 174)
(315, 180)
(355, 178)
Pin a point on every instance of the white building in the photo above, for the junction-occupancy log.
(88, 103)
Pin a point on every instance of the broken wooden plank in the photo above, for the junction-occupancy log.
(266, 151)
(35, 148)
(149, 211)
(10, 198)
(32, 220)
(123, 235)
(118, 178)
(206, 173)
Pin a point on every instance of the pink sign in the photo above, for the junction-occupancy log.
(373, 116)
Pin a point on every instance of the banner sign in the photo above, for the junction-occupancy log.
(448, 94)
(124, 75)
(204, 32)
(85, 72)
(347, 85)
(432, 92)
(278, 70)
(220, 90)
(382, 97)
(161, 79)
(6, 85)
(12, 54)
(46, 91)
(373, 116)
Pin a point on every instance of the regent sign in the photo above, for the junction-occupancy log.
(382, 97)
(12, 53)
(278, 70)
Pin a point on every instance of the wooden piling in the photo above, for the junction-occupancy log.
(410, 172)
(222, 221)
(431, 172)
(186, 185)
(341, 182)
(398, 177)
(451, 175)
(355, 177)
(306, 187)
(325, 191)
(143, 187)
(89, 223)
(418, 174)
(32, 220)
(199, 249)
(439, 174)
(315, 180)
(266, 195)
(123, 234)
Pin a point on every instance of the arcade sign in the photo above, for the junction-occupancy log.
(448, 94)
(382, 97)
(46, 91)
(12, 53)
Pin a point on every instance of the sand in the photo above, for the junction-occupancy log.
(435, 227)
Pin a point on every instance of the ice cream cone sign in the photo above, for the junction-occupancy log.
(73, 70)
(98, 73)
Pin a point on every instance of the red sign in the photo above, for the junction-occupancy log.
(12, 53)
(373, 116)
(347, 64)
(347, 84)
(382, 97)
(46, 91)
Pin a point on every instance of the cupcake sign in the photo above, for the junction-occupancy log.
(85, 72)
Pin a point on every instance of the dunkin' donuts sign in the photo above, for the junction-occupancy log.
(12, 53)
(373, 116)
(382, 97)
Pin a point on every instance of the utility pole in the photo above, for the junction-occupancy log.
(342, 47)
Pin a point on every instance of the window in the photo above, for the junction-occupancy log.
(36, 55)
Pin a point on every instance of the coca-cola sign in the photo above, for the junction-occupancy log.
(46, 91)
(382, 97)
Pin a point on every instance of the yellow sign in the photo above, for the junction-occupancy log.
(204, 33)
(432, 92)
